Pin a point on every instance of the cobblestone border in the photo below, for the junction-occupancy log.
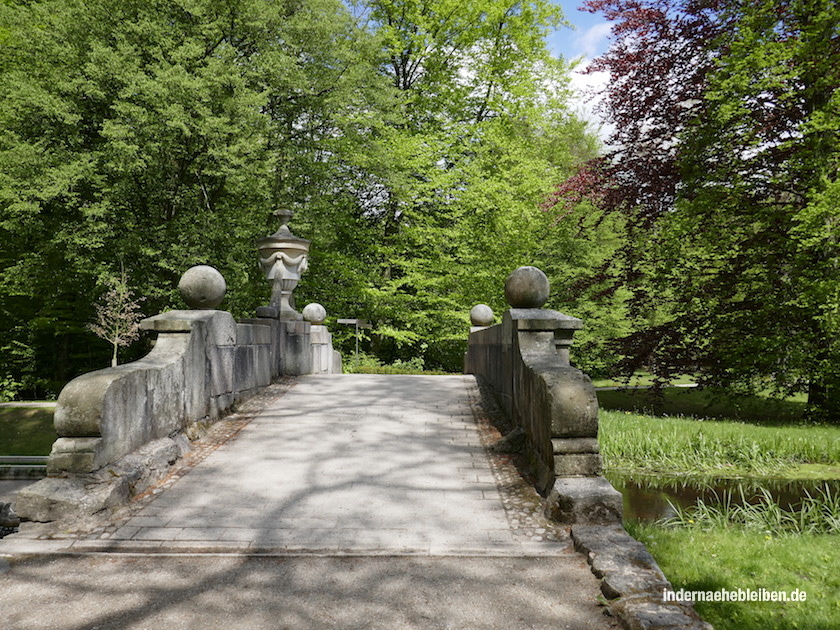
(523, 505)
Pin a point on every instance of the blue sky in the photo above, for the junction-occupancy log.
(589, 38)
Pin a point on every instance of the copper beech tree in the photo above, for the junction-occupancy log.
(724, 163)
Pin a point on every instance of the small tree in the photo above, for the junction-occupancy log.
(118, 315)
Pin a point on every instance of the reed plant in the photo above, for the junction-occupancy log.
(818, 513)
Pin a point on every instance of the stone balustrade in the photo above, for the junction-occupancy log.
(525, 361)
(119, 428)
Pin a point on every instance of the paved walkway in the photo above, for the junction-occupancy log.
(349, 464)
(348, 482)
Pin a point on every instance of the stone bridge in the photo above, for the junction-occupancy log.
(244, 438)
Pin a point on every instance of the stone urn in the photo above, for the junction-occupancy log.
(283, 259)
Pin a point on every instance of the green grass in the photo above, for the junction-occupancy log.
(26, 431)
(699, 560)
(817, 513)
(726, 544)
(640, 379)
(672, 445)
(706, 403)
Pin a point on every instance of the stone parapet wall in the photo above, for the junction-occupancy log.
(203, 362)
(324, 360)
(553, 402)
(525, 361)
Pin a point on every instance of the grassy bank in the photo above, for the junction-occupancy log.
(725, 544)
(732, 559)
(706, 403)
(674, 445)
(26, 431)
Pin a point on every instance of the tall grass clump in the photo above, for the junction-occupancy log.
(816, 514)
(695, 446)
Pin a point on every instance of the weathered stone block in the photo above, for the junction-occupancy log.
(221, 360)
(262, 334)
(540, 319)
(644, 614)
(320, 335)
(563, 446)
(219, 325)
(73, 454)
(262, 360)
(296, 353)
(574, 406)
(630, 580)
(60, 499)
(244, 334)
(587, 500)
(267, 312)
(569, 464)
(244, 368)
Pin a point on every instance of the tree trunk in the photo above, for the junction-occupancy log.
(824, 401)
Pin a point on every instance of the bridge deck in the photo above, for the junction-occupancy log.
(356, 464)
(347, 502)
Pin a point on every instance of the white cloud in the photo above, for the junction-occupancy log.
(593, 41)
(586, 90)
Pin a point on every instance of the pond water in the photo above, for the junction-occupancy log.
(646, 497)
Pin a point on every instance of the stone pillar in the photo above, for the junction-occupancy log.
(526, 361)
(325, 360)
(543, 338)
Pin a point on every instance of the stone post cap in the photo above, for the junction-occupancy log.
(543, 319)
(220, 324)
(482, 315)
(527, 287)
(315, 314)
(202, 287)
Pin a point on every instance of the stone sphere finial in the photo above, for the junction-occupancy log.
(202, 287)
(527, 287)
(315, 314)
(482, 315)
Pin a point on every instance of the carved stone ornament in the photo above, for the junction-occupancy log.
(283, 259)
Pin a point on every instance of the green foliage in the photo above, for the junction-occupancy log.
(158, 136)
(753, 249)
(725, 165)
(369, 364)
(448, 191)
(415, 141)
